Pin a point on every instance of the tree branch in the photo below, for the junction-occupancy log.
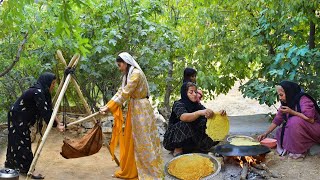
(17, 56)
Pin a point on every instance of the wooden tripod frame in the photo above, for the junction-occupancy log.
(57, 101)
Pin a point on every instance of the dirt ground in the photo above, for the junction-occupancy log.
(100, 165)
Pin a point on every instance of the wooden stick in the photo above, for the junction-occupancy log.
(52, 119)
(60, 56)
(76, 85)
(83, 119)
(72, 63)
(265, 167)
(80, 94)
(244, 171)
(261, 173)
(115, 158)
(257, 166)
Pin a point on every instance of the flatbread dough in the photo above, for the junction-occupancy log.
(218, 127)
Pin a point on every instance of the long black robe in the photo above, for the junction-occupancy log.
(33, 105)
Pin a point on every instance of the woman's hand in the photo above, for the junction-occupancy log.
(223, 112)
(60, 127)
(286, 109)
(262, 136)
(208, 113)
(104, 109)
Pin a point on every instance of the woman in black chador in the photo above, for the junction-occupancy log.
(33, 106)
(187, 124)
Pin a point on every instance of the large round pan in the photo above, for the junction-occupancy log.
(232, 150)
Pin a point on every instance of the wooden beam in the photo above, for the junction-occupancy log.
(84, 119)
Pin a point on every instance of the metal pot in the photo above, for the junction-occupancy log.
(6, 174)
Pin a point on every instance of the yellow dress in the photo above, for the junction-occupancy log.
(140, 150)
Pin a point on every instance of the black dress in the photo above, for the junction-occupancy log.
(186, 135)
(34, 105)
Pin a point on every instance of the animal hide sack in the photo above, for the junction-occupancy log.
(89, 144)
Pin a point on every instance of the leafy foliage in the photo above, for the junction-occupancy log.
(284, 31)
(226, 41)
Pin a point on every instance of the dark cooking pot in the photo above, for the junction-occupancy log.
(9, 174)
(232, 150)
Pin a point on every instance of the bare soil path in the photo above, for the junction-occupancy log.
(241, 111)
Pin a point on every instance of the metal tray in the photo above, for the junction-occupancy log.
(216, 163)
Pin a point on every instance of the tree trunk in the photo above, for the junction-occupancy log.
(168, 87)
(312, 33)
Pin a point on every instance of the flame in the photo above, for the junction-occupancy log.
(240, 161)
(248, 159)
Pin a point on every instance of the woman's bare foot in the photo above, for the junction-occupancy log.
(177, 152)
(34, 175)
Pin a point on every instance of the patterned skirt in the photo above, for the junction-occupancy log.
(188, 135)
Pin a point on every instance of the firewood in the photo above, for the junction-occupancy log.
(257, 166)
(261, 173)
(244, 171)
(265, 167)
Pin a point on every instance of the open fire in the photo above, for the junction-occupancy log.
(253, 167)
(246, 159)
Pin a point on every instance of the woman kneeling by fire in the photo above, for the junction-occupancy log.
(187, 124)
(300, 119)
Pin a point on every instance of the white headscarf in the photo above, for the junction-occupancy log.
(126, 57)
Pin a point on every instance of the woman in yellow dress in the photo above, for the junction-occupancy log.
(140, 150)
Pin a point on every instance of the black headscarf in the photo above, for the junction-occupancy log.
(293, 94)
(190, 106)
(292, 90)
(187, 73)
(44, 83)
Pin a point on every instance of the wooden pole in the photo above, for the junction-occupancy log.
(115, 158)
(73, 62)
(59, 54)
(83, 119)
(52, 119)
(82, 99)
(76, 85)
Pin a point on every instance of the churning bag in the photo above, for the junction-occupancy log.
(89, 144)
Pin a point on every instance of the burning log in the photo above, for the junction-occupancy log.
(258, 166)
(261, 173)
(244, 171)
(265, 167)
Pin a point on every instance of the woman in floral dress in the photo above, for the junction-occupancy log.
(140, 150)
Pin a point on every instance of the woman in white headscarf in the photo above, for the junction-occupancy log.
(140, 150)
